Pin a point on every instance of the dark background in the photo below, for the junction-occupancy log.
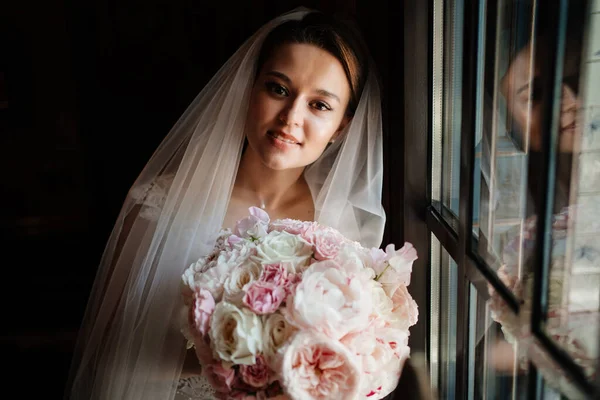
(88, 89)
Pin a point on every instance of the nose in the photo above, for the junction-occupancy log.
(292, 113)
(569, 105)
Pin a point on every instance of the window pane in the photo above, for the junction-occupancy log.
(443, 316)
(510, 148)
(446, 94)
(493, 363)
(574, 289)
(501, 153)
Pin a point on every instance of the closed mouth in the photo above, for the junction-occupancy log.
(569, 127)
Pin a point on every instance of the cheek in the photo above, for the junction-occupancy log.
(262, 109)
(321, 130)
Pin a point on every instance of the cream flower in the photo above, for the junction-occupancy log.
(238, 278)
(284, 247)
(235, 334)
(276, 332)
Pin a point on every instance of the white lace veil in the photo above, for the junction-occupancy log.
(130, 346)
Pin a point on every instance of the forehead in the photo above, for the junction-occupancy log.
(519, 71)
(309, 66)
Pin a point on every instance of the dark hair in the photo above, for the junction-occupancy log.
(337, 36)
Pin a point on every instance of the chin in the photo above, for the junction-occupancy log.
(276, 163)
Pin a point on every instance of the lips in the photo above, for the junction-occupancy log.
(569, 127)
(284, 137)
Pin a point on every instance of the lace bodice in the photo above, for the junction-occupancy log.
(194, 388)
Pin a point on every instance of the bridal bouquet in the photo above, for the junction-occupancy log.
(293, 309)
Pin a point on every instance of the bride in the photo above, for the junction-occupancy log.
(291, 123)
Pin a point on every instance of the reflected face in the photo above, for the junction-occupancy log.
(523, 96)
(298, 105)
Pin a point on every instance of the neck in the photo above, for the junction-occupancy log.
(266, 187)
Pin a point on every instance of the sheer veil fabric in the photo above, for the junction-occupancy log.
(130, 346)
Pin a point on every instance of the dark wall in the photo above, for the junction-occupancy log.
(88, 89)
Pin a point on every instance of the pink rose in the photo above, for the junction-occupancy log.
(263, 297)
(254, 226)
(219, 377)
(317, 367)
(203, 305)
(327, 244)
(405, 312)
(256, 375)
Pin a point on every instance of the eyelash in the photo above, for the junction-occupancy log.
(276, 89)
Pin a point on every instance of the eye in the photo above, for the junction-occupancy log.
(536, 91)
(277, 89)
(321, 106)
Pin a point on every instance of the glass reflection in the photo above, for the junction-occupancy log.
(509, 209)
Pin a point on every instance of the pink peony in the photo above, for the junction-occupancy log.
(256, 375)
(317, 367)
(330, 299)
(327, 244)
(263, 297)
(219, 377)
(203, 305)
(381, 353)
(405, 312)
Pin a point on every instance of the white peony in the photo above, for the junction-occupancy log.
(284, 247)
(235, 334)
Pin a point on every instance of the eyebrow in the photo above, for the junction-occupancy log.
(285, 78)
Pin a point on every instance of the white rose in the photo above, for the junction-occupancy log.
(284, 247)
(219, 269)
(238, 278)
(276, 332)
(330, 299)
(235, 334)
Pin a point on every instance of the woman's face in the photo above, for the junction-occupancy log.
(522, 92)
(298, 105)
